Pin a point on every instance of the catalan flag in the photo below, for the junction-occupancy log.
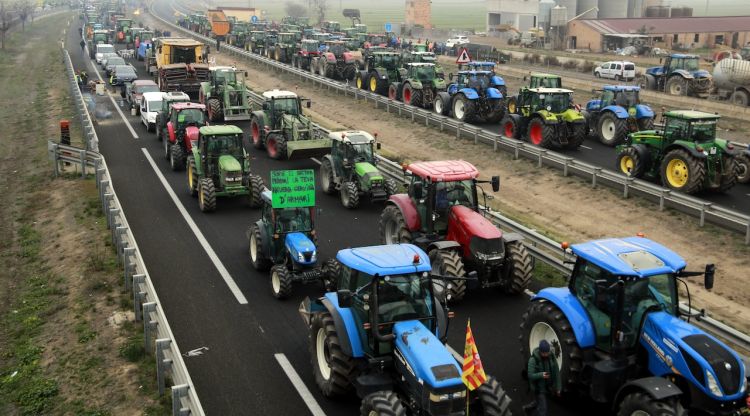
(473, 372)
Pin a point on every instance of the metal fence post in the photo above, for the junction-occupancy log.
(594, 175)
(127, 266)
(542, 153)
(161, 362)
(178, 392)
(568, 160)
(626, 191)
(149, 326)
(662, 198)
(138, 295)
(517, 150)
(705, 206)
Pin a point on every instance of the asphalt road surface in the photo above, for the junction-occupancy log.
(248, 333)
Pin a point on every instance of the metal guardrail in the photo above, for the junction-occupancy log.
(704, 210)
(158, 337)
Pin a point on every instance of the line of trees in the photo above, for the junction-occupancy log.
(12, 11)
(316, 8)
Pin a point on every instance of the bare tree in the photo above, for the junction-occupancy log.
(295, 9)
(25, 10)
(319, 8)
(6, 19)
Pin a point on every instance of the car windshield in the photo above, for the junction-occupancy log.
(290, 220)
(448, 194)
(124, 71)
(426, 73)
(404, 297)
(105, 48)
(225, 145)
(153, 105)
(147, 88)
(112, 61)
(287, 105)
(191, 115)
(703, 131)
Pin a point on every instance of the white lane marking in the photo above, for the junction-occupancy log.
(586, 147)
(198, 234)
(114, 104)
(303, 391)
(315, 160)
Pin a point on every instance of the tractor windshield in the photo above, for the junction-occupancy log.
(703, 131)
(448, 194)
(225, 145)
(228, 76)
(291, 220)
(620, 98)
(336, 49)
(286, 105)
(191, 116)
(657, 292)
(555, 103)
(425, 73)
(310, 46)
(479, 82)
(361, 152)
(688, 64)
(403, 297)
(388, 61)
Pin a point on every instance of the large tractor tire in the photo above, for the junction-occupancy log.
(276, 146)
(743, 164)
(158, 129)
(327, 181)
(313, 66)
(646, 123)
(214, 109)
(281, 282)
(511, 105)
(741, 98)
(349, 195)
(497, 111)
(350, 71)
(377, 85)
(331, 273)
(630, 163)
(511, 127)
(541, 134)
(176, 157)
(392, 226)
(382, 403)
(681, 171)
(206, 195)
(611, 130)
(463, 108)
(492, 399)
(333, 370)
(392, 92)
(449, 263)
(361, 80)
(544, 320)
(411, 96)
(167, 148)
(518, 268)
(255, 185)
(676, 85)
(442, 104)
(256, 133)
(731, 175)
(391, 187)
(192, 175)
(641, 403)
(257, 259)
(577, 136)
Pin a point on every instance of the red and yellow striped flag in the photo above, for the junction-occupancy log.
(473, 372)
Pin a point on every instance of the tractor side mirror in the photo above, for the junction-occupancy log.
(661, 60)
(245, 73)
(450, 76)
(495, 181)
(345, 298)
(377, 146)
(525, 78)
(708, 282)
(309, 104)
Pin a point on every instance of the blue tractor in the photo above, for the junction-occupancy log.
(616, 112)
(284, 240)
(473, 95)
(679, 74)
(382, 334)
(617, 335)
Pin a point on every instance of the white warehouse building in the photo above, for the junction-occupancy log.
(519, 14)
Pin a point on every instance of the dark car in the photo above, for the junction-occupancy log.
(111, 62)
(122, 74)
(136, 89)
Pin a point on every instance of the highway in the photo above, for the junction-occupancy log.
(196, 259)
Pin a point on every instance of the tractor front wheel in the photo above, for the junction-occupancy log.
(206, 195)
(518, 268)
(730, 176)
(463, 108)
(492, 400)
(281, 282)
(680, 171)
(349, 195)
(629, 162)
(512, 105)
(383, 403)
(327, 181)
(334, 371)
(449, 263)
(255, 187)
(392, 226)
(391, 188)
(544, 320)
(214, 109)
(176, 157)
(640, 403)
(257, 259)
(541, 134)
(497, 111)
(192, 175)
(167, 150)
(256, 133)
(331, 273)
(442, 103)
(677, 85)
(743, 162)
(510, 127)
(610, 129)
(276, 146)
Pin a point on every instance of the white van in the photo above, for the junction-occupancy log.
(617, 70)
(150, 105)
(101, 49)
(458, 40)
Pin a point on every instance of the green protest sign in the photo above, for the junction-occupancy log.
(293, 188)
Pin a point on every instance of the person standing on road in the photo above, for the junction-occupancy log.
(83, 45)
(218, 44)
(544, 378)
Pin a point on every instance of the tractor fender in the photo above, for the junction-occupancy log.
(512, 237)
(643, 111)
(381, 74)
(265, 239)
(408, 210)
(444, 245)
(593, 105)
(657, 387)
(330, 57)
(618, 111)
(682, 73)
(442, 322)
(348, 57)
(261, 116)
(497, 81)
(655, 71)
(415, 84)
(723, 144)
(573, 310)
(469, 93)
(171, 132)
(494, 93)
(452, 89)
(191, 134)
(346, 326)
(692, 150)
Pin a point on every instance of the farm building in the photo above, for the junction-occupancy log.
(419, 13)
(242, 14)
(677, 33)
(505, 14)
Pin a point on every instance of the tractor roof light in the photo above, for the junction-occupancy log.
(640, 234)
(416, 259)
(565, 245)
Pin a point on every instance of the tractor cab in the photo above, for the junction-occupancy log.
(423, 72)
(336, 47)
(257, 35)
(222, 153)
(553, 100)
(617, 95)
(183, 115)
(388, 60)
(352, 148)
(288, 228)
(544, 81)
(478, 66)
(691, 126)
(476, 80)
(675, 62)
(309, 46)
(286, 38)
(280, 103)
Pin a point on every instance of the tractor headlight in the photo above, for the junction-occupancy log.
(300, 257)
(713, 385)
(448, 396)
(314, 256)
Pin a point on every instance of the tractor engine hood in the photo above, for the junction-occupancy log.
(228, 163)
(480, 238)
(677, 347)
(300, 248)
(426, 358)
(368, 172)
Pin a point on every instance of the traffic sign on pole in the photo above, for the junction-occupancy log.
(254, 19)
(464, 57)
(388, 27)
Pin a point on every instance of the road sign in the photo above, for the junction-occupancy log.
(293, 188)
(254, 19)
(388, 27)
(464, 57)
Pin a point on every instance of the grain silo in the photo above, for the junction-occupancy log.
(584, 5)
(558, 16)
(635, 8)
(613, 9)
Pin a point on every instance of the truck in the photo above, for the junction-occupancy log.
(679, 74)
(177, 65)
(219, 23)
(732, 81)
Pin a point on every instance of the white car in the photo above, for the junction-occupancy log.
(458, 40)
(101, 49)
(617, 70)
(150, 106)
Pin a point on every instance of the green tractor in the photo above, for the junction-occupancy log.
(536, 80)
(547, 118)
(283, 130)
(686, 154)
(224, 94)
(256, 42)
(418, 85)
(285, 47)
(220, 167)
(351, 169)
(381, 69)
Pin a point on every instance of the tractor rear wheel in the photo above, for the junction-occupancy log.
(646, 123)
(639, 403)
(214, 110)
(349, 195)
(677, 85)
(392, 92)
(497, 111)
(334, 371)
(331, 273)
(327, 181)
(206, 195)
(544, 320)
(743, 163)
(257, 258)
(510, 127)
(442, 103)
(256, 133)
(281, 282)
(176, 157)
(731, 175)
(449, 263)
(391, 187)
(255, 186)
(392, 226)
(463, 108)
(681, 171)
(541, 133)
(611, 130)
(518, 268)
(276, 146)
(492, 400)
(192, 175)
(629, 162)
(577, 135)
(382, 403)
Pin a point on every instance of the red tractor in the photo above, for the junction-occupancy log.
(308, 49)
(337, 62)
(441, 215)
(184, 120)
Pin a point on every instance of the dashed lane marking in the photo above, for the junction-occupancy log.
(298, 384)
(586, 147)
